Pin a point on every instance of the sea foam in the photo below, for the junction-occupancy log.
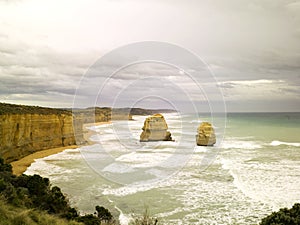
(240, 144)
(277, 143)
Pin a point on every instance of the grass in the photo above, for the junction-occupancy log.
(6, 108)
(12, 215)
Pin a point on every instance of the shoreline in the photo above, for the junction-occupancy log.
(87, 133)
(21, 165)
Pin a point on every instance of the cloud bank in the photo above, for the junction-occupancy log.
(252, 47)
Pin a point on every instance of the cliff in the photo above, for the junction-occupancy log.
(27, 129)
(104, 114)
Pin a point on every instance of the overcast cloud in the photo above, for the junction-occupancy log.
(252, 47)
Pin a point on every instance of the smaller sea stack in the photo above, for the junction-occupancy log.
(155, 129)
(206, 135)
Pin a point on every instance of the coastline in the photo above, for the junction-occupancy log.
(21, 165)
(87, 133)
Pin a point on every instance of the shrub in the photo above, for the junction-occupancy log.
(5, 167)
(103, 214)
(89, 220)
(284, 217)
(35, 192)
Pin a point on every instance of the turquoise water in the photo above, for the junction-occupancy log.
(253, 170)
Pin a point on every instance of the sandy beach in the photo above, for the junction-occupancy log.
(22, 164)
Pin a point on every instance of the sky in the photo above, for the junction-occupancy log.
(50, 52)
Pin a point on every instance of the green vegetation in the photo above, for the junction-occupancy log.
(284, 217)
(6, 108)
(12, 215)
(31, 199)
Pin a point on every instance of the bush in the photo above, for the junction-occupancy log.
(284, 217)
(35, 192)
(12, 215)
(103, 214)
(5, 167)
(89, 220)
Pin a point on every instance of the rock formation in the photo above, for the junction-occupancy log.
(104, 114)
(27, 129)
(206, 135)
(155, 129)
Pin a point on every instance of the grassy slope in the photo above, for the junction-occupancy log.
(11, 215)
(6, 108)
(25, 109)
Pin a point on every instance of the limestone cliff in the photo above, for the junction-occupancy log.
(26, 129)
(155, 129)
(104, 114)
(206, 135)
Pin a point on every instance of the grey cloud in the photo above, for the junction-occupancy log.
(242, 40)
(266, 60)
(39, 71)
(291, 90)
(226, 85)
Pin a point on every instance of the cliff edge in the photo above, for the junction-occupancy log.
(27, 129)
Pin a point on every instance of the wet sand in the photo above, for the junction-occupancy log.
(22, 164)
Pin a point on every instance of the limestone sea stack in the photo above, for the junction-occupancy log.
(155, 129)
(206, 135)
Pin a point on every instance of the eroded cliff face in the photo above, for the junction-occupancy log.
(28, 129)
(95, 115)
(23, 134)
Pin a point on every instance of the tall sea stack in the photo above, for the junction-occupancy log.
(155, 129)
(206, 135)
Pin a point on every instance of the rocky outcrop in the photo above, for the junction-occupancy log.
(155, 129)
(206, 135)
(28, 129)
(23, 134)
(104, 114)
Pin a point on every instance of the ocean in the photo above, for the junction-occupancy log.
(254, 169)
